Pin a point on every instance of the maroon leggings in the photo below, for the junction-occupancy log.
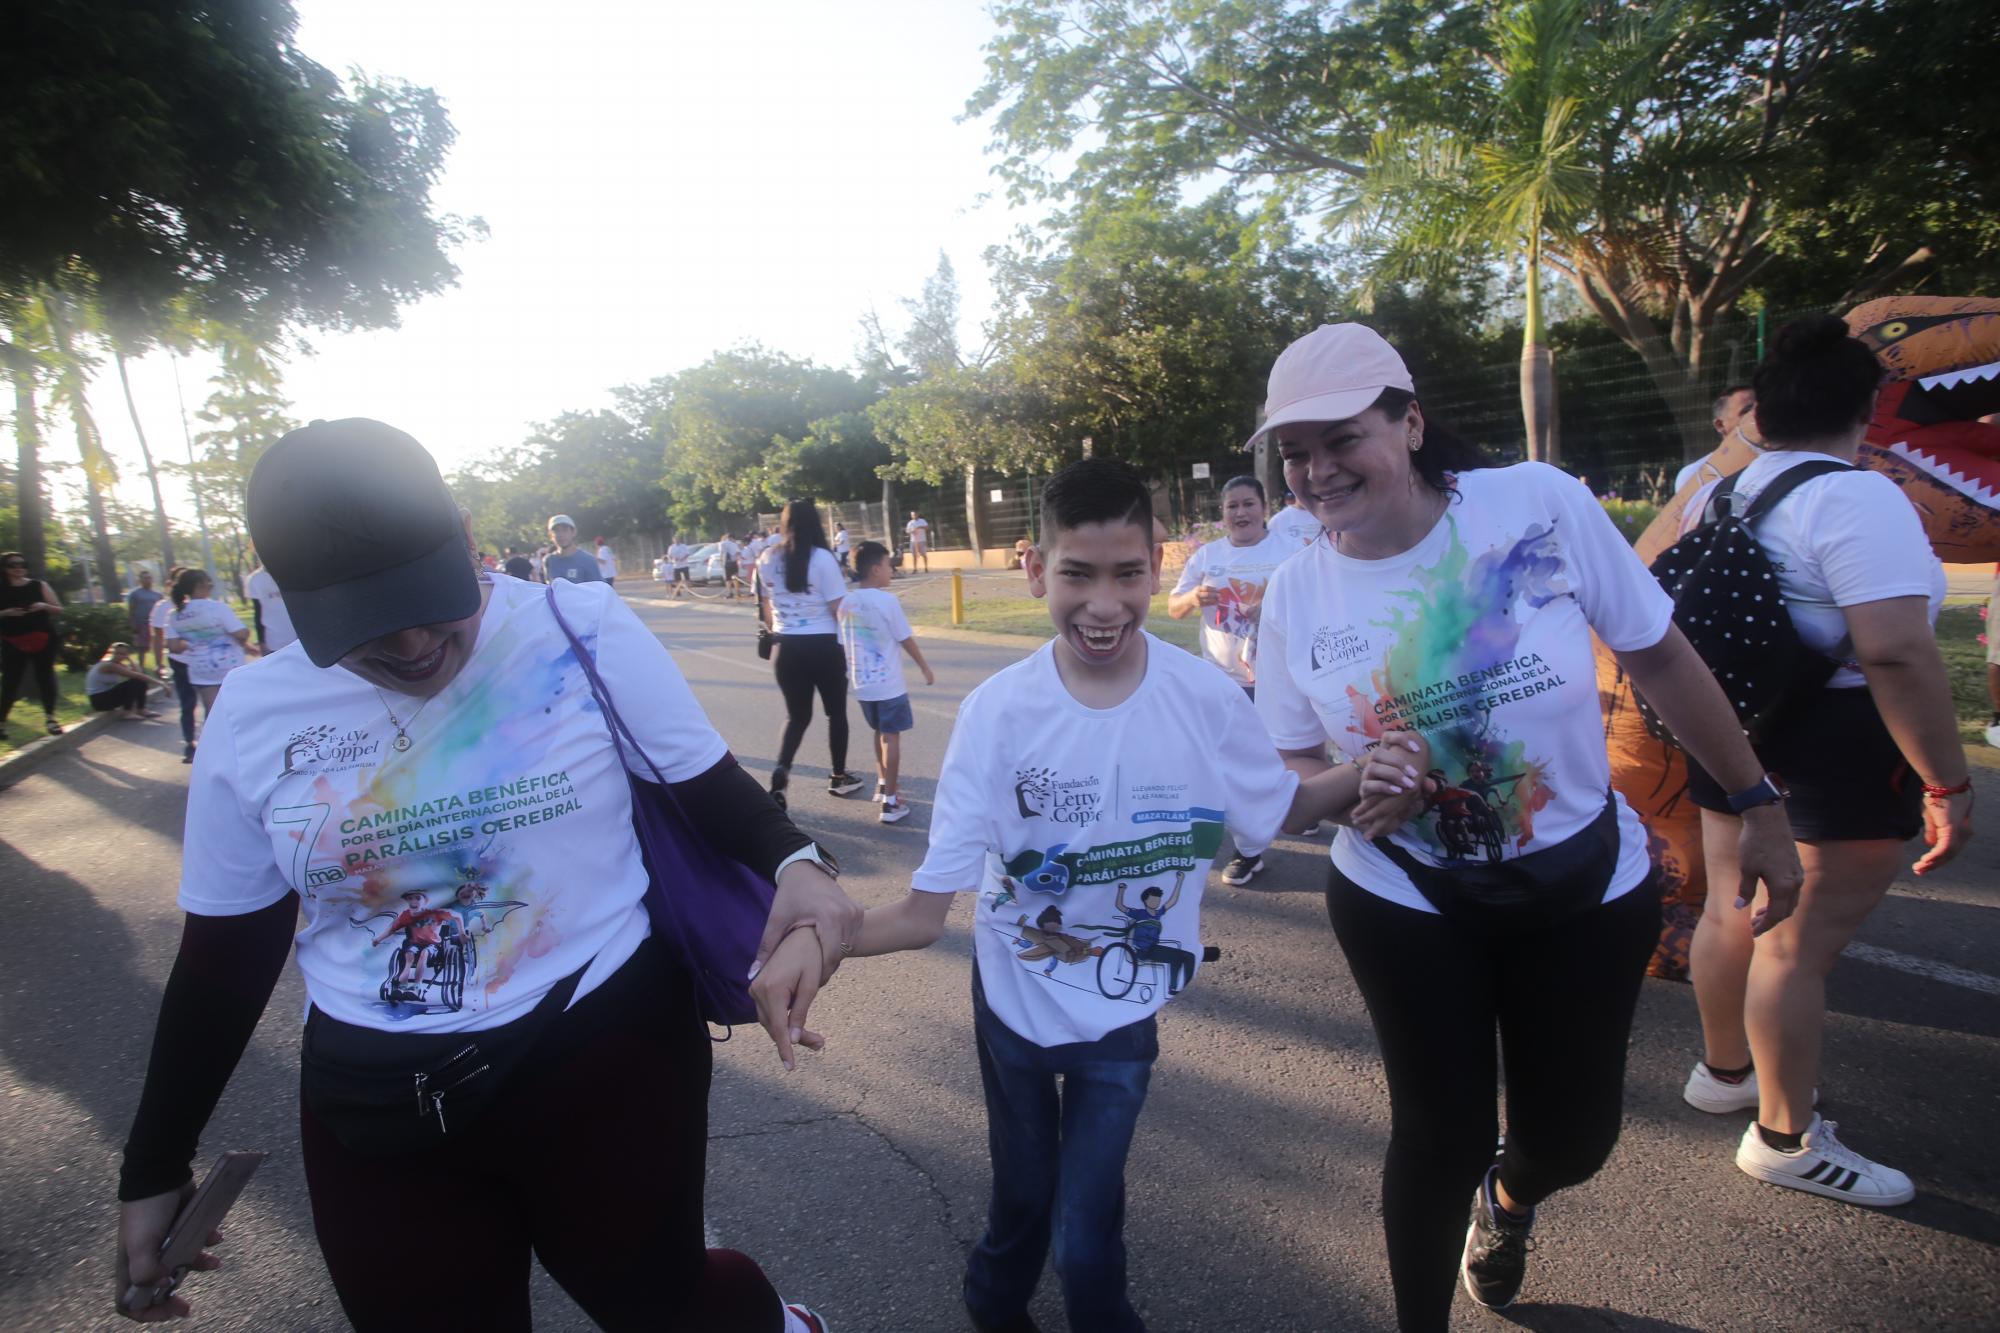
(593, 1159)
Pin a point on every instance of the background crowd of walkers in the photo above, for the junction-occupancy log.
(1406, 650)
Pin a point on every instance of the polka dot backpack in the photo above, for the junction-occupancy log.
(1726, 601)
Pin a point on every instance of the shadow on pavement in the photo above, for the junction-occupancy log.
(1578, 1318)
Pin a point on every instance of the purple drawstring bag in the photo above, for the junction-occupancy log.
(689, 882)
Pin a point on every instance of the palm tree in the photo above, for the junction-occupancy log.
(1525, 174)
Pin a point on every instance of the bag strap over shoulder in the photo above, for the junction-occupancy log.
(1724, 500)
(621, 735)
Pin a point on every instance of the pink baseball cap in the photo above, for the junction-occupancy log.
(1335, 372)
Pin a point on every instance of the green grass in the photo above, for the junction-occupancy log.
(1014, 612)
(1958, 631)
(24, 724)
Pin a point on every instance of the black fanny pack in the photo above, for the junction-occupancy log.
(1537, 889)
(383, 1093)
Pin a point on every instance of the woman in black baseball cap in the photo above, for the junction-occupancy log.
(439, 731)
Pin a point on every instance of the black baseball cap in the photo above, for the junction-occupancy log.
(355, 524)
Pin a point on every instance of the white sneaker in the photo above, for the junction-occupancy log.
(1823, 1165)
(893, 809)
(1706, 1092)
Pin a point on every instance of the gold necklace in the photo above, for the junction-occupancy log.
(402, 741)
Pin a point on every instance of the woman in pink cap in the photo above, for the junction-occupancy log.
(1458, 600)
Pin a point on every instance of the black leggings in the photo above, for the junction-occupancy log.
(808, 663)
(593, 1158)
(125, 694)
(1562, 999)
(14, 666)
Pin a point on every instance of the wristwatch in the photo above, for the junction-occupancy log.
(814, 853)
(1768, 791)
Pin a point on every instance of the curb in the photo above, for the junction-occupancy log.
(33, 755)
(1026, 642)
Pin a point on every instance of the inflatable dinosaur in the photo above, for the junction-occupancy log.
(1942, 357)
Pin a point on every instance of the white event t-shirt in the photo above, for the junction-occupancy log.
(1839, 540)
(1054, 812)
(209, 627)
(607, 562)
(509, 813)
(1296, 525)
(270, 599)
(161, 619)
(919, 530)
(872, 630)
(1238, 574)
(1479, 637)
(802, 612)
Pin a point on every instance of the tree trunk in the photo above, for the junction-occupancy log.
(1538, 380)
(889, 513)
(974, 529)
(31, 505)
(152, 473)
(100, 536)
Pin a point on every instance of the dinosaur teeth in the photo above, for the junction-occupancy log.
(1974, 487)
(1951, 379)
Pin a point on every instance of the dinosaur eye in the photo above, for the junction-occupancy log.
(1893, 330)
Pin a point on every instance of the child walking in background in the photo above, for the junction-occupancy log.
(1082, 798)
(872, 629)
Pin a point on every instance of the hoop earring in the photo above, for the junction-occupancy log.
(1416, 443)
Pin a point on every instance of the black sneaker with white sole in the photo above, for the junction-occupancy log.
(780, 779)
(1496, 1249)
(843, 784)
(1241, 869)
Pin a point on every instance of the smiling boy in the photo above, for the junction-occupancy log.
(1105, 763)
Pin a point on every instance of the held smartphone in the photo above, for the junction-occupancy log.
(202, 1214)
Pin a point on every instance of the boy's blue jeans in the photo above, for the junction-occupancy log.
(1058, 1169)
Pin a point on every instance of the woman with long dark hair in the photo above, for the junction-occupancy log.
(426, 806)
(1509, 894)
(27, 638)
(799, 587)
(1872, 759)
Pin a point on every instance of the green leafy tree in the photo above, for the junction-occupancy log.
(191, 155)
(1663, 199)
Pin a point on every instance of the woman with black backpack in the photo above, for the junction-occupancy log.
(1871, 757)
(1509, 892)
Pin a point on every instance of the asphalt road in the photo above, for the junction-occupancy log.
(859, 1181)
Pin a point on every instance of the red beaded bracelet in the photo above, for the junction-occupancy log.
(1959, 790)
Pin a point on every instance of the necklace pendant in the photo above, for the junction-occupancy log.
(401, 742)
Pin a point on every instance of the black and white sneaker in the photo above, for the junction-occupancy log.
(1241, 869)
(1496, 1249)
(780, 779)
(843, 784)
(1824, 1165)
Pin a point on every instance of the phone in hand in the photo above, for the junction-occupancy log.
(201, 1214)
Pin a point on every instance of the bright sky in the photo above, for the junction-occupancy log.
(663, 179)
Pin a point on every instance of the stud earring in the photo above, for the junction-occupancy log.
(1416, 443)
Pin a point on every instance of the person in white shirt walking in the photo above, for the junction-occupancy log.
(1223, 583)
(918, 530)
(873, 630)
(274, 623)
(800, 588)
(732, 566)
(843, 547)
(678, 556)
(607, 561)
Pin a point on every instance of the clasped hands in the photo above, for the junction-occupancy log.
(812, 925)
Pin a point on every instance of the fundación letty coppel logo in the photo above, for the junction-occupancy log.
(322, 749)
(1031, 790)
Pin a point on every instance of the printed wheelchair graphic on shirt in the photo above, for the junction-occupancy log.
(1128, 961)
(439, 950)
(1468, 814)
